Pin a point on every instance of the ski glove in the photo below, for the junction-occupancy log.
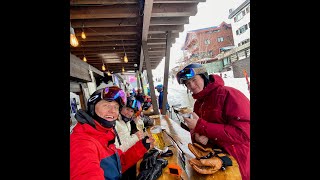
(199, 151)
(207, 163)
(154, 172)
(149, 159)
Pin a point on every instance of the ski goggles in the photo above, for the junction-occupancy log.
(135, 104)
(189, 73)
(114, 93)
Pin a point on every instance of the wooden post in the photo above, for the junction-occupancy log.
(166, 73)
(150, 77)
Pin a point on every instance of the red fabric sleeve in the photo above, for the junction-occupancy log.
(132, 155)
(84, 154)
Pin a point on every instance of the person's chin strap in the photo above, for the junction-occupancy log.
(108, 124)
(125, 119)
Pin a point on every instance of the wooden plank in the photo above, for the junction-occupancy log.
(108, 43)
(178, 1)
(108, 38)
(102, 31)
(75, 87)
(116, 22)
(166, 72)
(168, 21)
(162, 36)
(174, 9)
(146, 18)
(112, 11)
(150, 77)
(172, 28)
(80, 69)
(104, 2)
(111, 49)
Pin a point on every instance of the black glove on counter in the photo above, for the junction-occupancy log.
(149, 159)
(154, 172)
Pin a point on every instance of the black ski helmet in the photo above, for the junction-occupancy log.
(190, 71)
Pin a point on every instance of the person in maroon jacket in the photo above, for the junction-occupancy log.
(93, 154)
(221, 117)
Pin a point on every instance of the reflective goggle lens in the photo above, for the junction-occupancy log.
(185, 74)
(135, 104)
(114, 93)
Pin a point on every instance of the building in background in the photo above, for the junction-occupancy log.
(203, 45)
(240, 22)
(237, 59)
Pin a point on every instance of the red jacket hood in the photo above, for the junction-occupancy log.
(218, 81)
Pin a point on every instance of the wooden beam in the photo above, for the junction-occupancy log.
(145, 27)
(158, 41)
(150, 78)
(101, 53)
(111, 49)
(111, 11)
(168, 21)
(162, 36)
(108, 38)
(117, 22)
(101, 2)
(102, 31)
(174, 10)
(178, 1)
(80, 69)
(109, 43)
(161, 29)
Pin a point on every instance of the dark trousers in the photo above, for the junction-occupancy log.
(130, 174)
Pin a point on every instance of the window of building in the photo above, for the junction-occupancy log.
(242, 29)
(235, 19)
(243, 12)
(248, 9)
(249, 24)
(226, 61)
(239, 16)
(220, 39)
(207, 41)
(237, 32)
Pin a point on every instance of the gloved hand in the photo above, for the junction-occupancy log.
(206, 166)
(154, 172)
(149, 159)
(199, 151)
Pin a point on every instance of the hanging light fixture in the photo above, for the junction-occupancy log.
(103, 66)
(83, 35)
(122, 69)
(125, 58)
(109, 74)
(73, 39)
(84, 56)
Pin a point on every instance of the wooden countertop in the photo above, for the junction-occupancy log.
(183, 138)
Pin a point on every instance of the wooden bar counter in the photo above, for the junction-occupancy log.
(182, 137)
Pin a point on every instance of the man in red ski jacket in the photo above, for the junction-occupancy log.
(221, 117)
(93, 155)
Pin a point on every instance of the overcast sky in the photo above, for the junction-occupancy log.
(210, 13)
